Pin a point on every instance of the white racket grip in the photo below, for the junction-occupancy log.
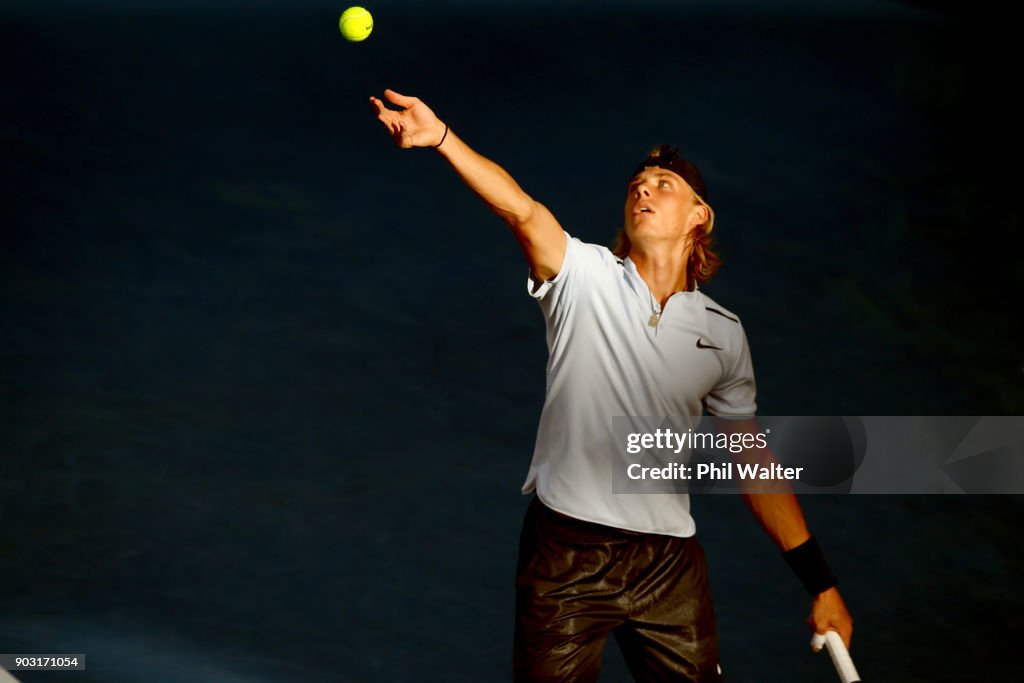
(833, 642)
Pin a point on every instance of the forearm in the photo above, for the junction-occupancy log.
(488, 180)
(780, 516)
(771, 500)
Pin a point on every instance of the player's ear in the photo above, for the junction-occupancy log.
(701, 213)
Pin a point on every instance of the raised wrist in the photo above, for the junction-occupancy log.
(444, 136)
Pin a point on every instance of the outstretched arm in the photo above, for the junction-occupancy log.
(782, 519)
(539, 234)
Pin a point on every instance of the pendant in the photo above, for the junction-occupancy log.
(653, 321)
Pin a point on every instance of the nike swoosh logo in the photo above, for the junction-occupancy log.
(708, 346)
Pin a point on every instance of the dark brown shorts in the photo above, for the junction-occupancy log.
(577, 582)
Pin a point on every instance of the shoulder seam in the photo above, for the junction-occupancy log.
(715, 310)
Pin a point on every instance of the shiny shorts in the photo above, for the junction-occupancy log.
(576, 582)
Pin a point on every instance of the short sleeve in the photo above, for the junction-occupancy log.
(551, 293)
(538, 289)
(735, 395)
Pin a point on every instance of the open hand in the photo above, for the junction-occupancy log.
(414, 125)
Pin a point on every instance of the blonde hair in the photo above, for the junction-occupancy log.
(704, 261)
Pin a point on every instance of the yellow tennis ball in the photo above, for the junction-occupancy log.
(355, 24)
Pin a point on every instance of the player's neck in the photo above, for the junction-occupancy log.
(663, 270)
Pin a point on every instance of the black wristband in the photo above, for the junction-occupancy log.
(808, 563)
(442, 137)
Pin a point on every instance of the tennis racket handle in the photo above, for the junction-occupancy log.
(833, 642)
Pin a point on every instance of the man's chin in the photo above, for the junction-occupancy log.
(641, 232)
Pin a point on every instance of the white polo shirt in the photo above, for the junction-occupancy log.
(606, 360)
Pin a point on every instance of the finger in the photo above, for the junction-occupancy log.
(379, 104)
(391, 125)
(847, 636)
(386, 116)
(399, 99)
(841, 624)
(845, 632)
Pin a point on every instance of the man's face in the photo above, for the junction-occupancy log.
(660, 206)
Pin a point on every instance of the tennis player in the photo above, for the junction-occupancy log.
(629, 333)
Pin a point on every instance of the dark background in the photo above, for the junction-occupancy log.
(270, 385)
